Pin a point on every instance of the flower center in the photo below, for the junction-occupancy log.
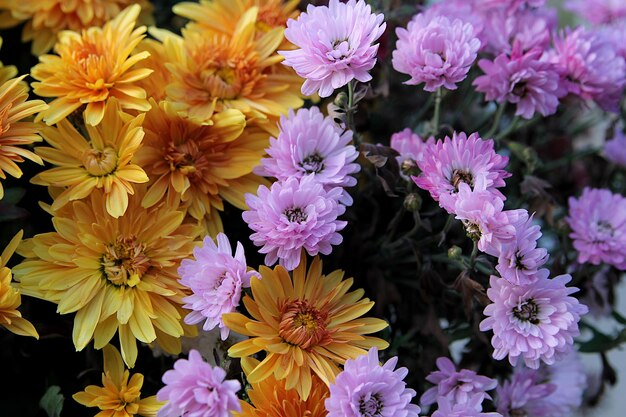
(527, 311)
(124, 262)
(519, 261)
(295, 214)
(519, 89)
(182, 158)
(313, 163)
(371, 407)
(605, 228)
(341, 49)
(303, 325)
(100, 162)
(459, 176)
(472, 230)
(518, 412)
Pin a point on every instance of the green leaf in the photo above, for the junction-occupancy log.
(620, 319)
(601, 342)
(52, 401)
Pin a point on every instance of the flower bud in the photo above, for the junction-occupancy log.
(454, 252)
(412, 202)
(409, 167)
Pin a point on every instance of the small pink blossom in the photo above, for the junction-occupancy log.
(472, 408)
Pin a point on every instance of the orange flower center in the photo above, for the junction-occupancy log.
(100, 162)
(125, 261)
(303, 325)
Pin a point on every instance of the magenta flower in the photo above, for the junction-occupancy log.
(435, 51)
(599, 11)
(520, 261)
(522, 79)
(522, 394)
(215, 278)
(365, 388)
(336, 45)
(615, 149)
(195, 388)
(311, 144)
(509, 5)
(471, 408)
(537, 322)
(457, 387)
(530, 28)
(598, 223)
(292, 215)
(470, 160)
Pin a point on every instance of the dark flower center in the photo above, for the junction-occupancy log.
(124, 262)
(371, 407)
(295, 215)
(518, 412)
(520, 89)
(606, 228)
(527, 311)
(519, 261)
(313, 163)
(472, 230)
(459, 176)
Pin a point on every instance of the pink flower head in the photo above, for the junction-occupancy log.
(456, 386)
(336, 45)
(508, 5)
(522, 394)
(616, 34)
(410, 146)
(311, 144)
(435, 51)
(615, 149)
(599, 11)
(365, 388)
(472, 408)
(537, 322)
(522, 79)
(470, 160)
(590, 67)
(196, 389)
(215, 278)
(292, 215)
(598, 222)
(520, 261)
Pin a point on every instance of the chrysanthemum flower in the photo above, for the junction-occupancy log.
(14, 130)
(10, 298)
(366, 388)
(294, 215)
(336, 45)
(470, 160)
(117, 274)
(537, 322)
(456, 386)
(45, 19)
(435, 51)
(216, 279)
(523, 79)
(119, 396)
(91, 67)
(195, 388)
(101, 161)
(270, 398)
(522, 393)
(598, 223)
(154, 85)
(213, 72)
(471, 408)
(615, 149)
(305, 323)
(311, 144)
(599, 12)
(409, 145)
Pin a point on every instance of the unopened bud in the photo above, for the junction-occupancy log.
(409, 167)
(454, 252)
(412, 202)
(341, 100)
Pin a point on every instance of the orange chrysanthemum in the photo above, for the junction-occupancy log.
(305, 323)
(118, 275)
(91, 67)
(200, 164)
(269, 397)
(161, 76)
(118, 396)
(215, 72)
(10, 298)
(14, 131)
(101, 162)
(46, 18)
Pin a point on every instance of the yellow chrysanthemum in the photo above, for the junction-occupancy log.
(10, 298)
(269, 398)
(46, 18)
(200, 164)
(118, 396)
(305, 323)
(14, 131)
(215, 72)
(91, 67)
(103, 161)
(117, 275)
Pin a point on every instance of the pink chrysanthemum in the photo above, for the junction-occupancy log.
(523, 79)
(365, 388)
(598, 222)
(520, 261)
(599, 11)
(472, 408)
(509, 5)
(615, 149)
(537, 322)
(195, 388)
(470, 160)
(409, 145)
(616, 34)
(590, 67)
(215, 278)
(530, 28)
(295, 214)
(456, 386)
(311, 144)
(522, 394)
(336, 45)
(435, 51)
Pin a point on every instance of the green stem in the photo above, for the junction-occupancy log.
(510, 128)
(445, 229)
(473, 255)
(435, 121)
(496, 121)
(350, 109)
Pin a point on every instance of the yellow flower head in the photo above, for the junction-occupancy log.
(269, 397)
(46, 18)
(10, 298)
(118, 396)
(119, 275)
(101, 161)
(14, 131)
(91, 67)
(305, 323)
(200, 164)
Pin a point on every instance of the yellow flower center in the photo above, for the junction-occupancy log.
(100, 162)
(124, 262)
(303, 325)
